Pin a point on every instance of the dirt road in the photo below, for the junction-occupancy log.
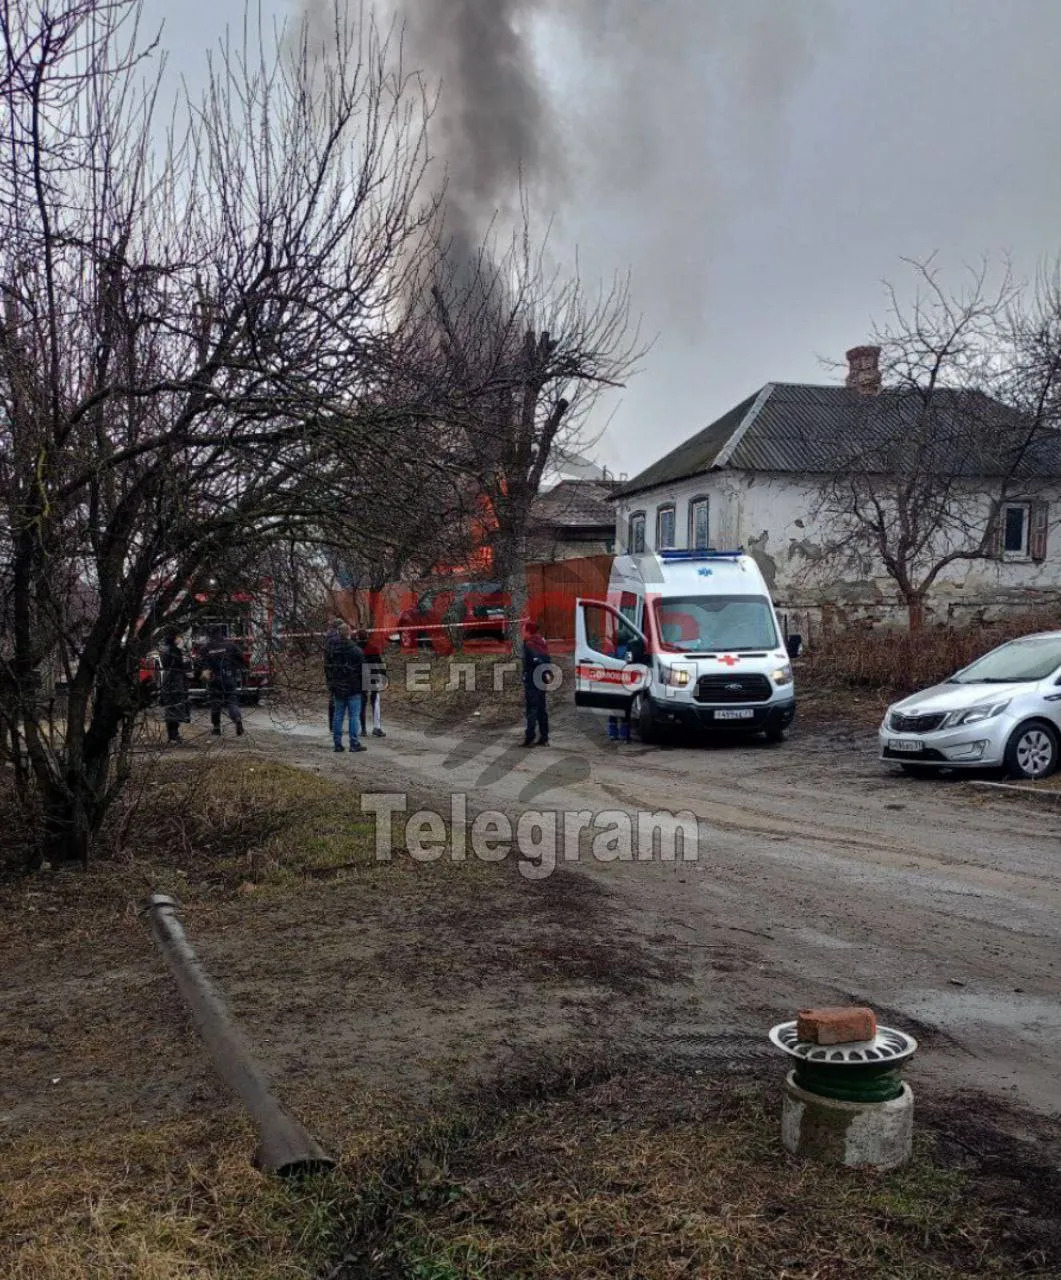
(821, 877)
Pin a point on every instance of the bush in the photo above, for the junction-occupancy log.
(900, 662)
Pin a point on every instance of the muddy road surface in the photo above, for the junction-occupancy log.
(820, 876)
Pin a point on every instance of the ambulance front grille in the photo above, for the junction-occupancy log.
(733, 688)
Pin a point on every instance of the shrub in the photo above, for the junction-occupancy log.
(898, 662)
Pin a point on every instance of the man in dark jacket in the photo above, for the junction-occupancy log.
(343, 673)
(536, 671)
(221, 662)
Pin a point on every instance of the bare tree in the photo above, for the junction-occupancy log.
(192, 342)
(524, 353)
(961, 419)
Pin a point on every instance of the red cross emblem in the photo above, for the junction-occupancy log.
(729, 660)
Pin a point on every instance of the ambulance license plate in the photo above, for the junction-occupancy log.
(735, 713)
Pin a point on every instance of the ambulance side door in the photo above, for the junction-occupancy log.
(610, 653)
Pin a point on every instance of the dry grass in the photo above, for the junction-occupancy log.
(177, 1200)
(656, 1176)
(96, 1191)
(218, 822)
(893, 663)
(647, 1176)
(640, 1176)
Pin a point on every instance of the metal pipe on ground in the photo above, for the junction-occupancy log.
(284, 1146)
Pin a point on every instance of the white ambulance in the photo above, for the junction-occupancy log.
(686, 638)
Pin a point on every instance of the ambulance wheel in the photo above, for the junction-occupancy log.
(774, 733)
(642, 718)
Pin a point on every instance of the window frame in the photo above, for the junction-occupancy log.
(1024, 551)
(631, 520)
(617, 631)
(666, 508)
(699, 499)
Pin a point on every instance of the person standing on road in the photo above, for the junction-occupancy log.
(535, 674)
(375, 673)
(221, 663)
(173, 689)
(343, 672)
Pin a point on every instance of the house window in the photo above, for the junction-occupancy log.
(665, 528)
(698, 532)
(637, 533)
(1016, 522)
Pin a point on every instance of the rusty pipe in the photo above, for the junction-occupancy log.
(284, 1146)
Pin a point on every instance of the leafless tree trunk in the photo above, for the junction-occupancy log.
(526, 353)
(193, 344)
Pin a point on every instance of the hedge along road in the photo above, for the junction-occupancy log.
(821, 877)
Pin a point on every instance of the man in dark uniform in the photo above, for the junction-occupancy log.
(343, 663)
(221, 662)
(535, 677)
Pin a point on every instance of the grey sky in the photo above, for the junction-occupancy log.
(761, 165)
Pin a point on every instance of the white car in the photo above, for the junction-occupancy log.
(1002, 711)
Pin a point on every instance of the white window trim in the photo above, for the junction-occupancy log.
(694, 502)
(661, 511)
(1025, 551)
(637, 515)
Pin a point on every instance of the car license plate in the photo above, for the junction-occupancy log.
(910, 748)
(735, 713)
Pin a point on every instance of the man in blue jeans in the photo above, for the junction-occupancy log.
(343, 663)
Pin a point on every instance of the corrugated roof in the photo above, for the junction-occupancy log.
(692, 458)
(576, 504)
(801, 428)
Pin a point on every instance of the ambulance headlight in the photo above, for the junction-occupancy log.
(782, 675)
(677, 676)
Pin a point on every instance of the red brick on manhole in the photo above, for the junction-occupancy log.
(840, 1025)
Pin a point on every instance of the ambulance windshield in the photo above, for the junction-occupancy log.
(712, 624)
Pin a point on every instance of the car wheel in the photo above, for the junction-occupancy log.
(918, 770)
(774, 733)
(641, 716)
(1032, 751)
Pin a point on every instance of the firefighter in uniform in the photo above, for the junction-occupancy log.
(221, 662)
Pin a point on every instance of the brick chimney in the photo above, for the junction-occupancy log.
(863, 370)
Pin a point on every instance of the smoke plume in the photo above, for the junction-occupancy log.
(492, 126)
(593, 102)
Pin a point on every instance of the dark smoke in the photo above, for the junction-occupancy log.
(582, 103)
(492, 127)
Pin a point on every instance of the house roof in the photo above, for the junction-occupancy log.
(576, 504)
(801, 428)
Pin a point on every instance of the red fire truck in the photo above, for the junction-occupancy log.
(246, 616)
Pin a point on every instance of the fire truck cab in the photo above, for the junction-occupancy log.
(245, 617)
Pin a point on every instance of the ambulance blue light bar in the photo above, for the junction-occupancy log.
(709, 554)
